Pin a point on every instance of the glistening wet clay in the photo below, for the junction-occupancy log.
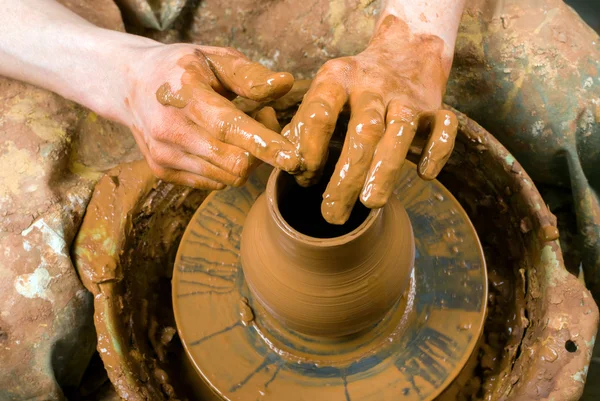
(211, 76)
(332, 286)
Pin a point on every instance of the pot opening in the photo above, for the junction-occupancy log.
(301, 207)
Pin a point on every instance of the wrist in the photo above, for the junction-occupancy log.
(426, 19)
(109, 77)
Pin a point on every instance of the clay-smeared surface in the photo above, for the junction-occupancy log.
(413, 353)
(123, 253)
(325, 286)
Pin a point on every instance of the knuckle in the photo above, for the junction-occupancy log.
(374, 119)
(159, 134)
(336, 66)
(320, 112)
(227, 125)
(370, 123)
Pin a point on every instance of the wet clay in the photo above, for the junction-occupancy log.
(209, 77)
(390, 94)
(123, 253)
(320, 279)
(242, 351)
(167, 97)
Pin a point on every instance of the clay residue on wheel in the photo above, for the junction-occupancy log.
(364, 270)
(124, 252)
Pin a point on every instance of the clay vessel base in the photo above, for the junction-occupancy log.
(238, 353)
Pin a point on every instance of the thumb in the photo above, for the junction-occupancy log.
(246, 78)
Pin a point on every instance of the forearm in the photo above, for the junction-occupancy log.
(429, 17)
(47, 45)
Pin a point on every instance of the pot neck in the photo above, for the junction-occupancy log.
(320, 253)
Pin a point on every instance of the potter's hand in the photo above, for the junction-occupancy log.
(173, 97)
(188, 130)
(394, 86)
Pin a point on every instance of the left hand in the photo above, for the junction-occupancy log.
(392, 87)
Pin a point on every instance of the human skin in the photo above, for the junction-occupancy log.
(392, 87)
(174, 98)
(189, 131)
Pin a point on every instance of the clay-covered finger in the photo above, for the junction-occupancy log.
(246, 78)
(175, 159)
(267, 117)
(440, 144)
(196, 141)
(184, 178)
(225, 123)
(312, 126)
(365, 129)
(387, 162)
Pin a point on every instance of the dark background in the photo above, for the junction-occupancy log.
(589, 11)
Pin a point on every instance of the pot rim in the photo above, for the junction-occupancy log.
(273, 205)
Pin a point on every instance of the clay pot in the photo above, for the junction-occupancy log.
(320, 279)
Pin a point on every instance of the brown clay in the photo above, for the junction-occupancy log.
(166, 97)
(413, 353)
(390, 93)
(123, 249)
(314, 281)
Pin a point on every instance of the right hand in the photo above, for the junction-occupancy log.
(185, 125)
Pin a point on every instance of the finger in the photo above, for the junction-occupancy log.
(246, 78)
(183, 177)
(175, 159)
(439, 147)
(389, 156)
(267, 117)
(365, 129)
(189, 179)
(312, 126)
(225, 123)
(196, 141)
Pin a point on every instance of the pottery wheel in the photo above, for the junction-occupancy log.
(413, 354)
